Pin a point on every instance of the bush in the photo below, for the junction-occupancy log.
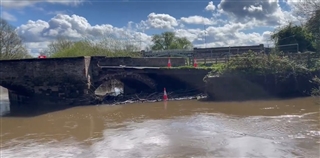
(91, 48)
(260, 64)
(251, 64)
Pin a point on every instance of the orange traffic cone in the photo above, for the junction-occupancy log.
(165, 97)
(169, 62)
(195, 64)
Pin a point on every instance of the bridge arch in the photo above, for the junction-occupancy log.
(132, 80)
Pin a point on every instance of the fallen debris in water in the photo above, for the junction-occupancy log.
(154, 97)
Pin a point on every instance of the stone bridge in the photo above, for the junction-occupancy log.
(72, 81)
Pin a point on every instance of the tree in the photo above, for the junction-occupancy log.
(168, 40)
(11, 45)
(313, 25)
(306, 8)
(291, 34)
(115, 45)
(109, 47)
(310, 11)
(58, 45)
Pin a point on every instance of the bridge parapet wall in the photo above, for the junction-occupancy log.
(144, 62)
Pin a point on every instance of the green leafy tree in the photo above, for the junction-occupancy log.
(58, 45)
(109, 47)
(292, 34)
(309, 10)
(11, 45)
(168, 40)
(313, 25)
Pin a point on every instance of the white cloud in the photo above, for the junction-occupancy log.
(36, 47)
(210, 6)
(7, 16)
(244, 11)
(196, 19)
(230, 34)
(190, 34)
(32, 31)
(230, 31)
(160, 21)
(37, 34)
(24, 3)
(73, 27)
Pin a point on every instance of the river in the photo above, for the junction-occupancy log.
(189, 128)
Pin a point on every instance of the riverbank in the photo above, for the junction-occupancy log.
(255, 76)
(248, 87)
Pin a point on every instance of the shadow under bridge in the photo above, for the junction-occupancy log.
(151, 80)
(126, 82)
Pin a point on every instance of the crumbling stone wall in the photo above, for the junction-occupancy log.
(70, 81)
(58, 80)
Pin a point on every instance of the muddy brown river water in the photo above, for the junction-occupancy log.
(189, 128)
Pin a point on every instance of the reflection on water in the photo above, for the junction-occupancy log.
(288, 128)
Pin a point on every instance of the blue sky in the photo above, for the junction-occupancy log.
(116, 13)
(220, 23)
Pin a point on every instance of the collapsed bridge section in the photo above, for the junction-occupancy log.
(50, 82)
(152, 79)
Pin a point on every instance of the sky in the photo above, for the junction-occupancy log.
(205, 23)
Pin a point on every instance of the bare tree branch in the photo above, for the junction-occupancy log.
(306, 8)
(11, 46)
